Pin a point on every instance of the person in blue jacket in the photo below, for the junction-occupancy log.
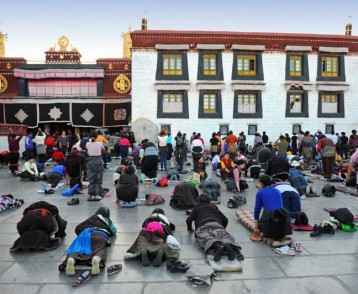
(272, 219)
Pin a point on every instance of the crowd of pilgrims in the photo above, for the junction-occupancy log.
(80, 159)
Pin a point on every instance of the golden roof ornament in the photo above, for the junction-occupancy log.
(63, 43)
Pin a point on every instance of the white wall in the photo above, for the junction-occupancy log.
(274, 122)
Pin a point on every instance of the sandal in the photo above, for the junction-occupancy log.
(73, 201)
(94, 198)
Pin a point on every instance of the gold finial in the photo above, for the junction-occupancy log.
(127, 44)
(63, 43)
(3, 38)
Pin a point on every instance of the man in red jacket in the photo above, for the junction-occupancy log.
(327, 149)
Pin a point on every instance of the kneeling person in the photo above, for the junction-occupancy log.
(90, 246)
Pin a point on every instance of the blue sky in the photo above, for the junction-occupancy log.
(95, 26)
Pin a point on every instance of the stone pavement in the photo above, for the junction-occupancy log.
(328, 264)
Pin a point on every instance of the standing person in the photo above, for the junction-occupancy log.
(307, 146)
(163, 149)
(257, 140)
(74, 164)
(288, 139)
(231, 141)
(294, 144)
(50, 143)
(179, 151)
(242, 143)
(29, 146)
(39, 140)
(94, 168)
(124, 145)
(192, 138)
(13, 156)
(353, 141)
(185, 147)
(197, 149)
(214, 145)
(62, 142)
(327, 150)
(344, 150)
(170, 142)
(265, 138)
(72, 139)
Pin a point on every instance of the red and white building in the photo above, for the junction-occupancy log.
(207, 81)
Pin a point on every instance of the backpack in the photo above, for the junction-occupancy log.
(153, 199)
(328, 190)
(163, 182)
(343, 215)
(185, 196)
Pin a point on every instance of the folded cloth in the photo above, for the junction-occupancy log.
(82, 244)
(173, 243)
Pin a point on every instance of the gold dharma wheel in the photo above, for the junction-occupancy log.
(3, 84)
(63, 43)
(122, 84)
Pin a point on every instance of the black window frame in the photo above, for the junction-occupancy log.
(183, 114)
(341, 67)
(259, 67)
(304, 112)
(222, 126)
(326, 126)
(340, 102)
(240, 115)
(304, 67)
(185, 73)
(218, 113)
(219, 66)
(299, 127)
(167, 127)
(249, 126)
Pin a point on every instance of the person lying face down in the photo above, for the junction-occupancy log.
(291, 199)
(41, 228)
(210, 231)
(156, 243)
(89, 248)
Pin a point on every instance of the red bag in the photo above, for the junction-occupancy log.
(163, 182)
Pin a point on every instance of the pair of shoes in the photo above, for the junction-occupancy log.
(219, 253)
(177, 266)
(73, 201)
(317, 231)
(94, 198)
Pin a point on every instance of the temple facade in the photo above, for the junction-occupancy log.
(65, 91)
(218, 81)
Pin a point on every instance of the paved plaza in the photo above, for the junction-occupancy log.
(329, 264)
